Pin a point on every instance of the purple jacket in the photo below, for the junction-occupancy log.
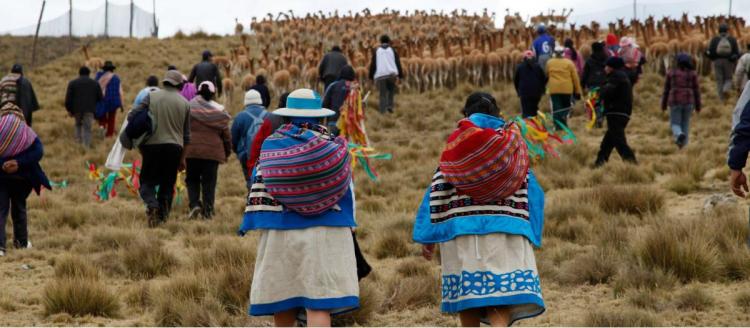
(681, 88)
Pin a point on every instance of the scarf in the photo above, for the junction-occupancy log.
(15, 135)
(305, 168)
(209, 113)
(110, 84)
(188, 91)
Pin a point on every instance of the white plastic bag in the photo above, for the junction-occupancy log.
(117, 154)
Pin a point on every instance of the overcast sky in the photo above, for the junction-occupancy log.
(217, 16)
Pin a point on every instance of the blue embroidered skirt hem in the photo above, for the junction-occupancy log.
(335, 305)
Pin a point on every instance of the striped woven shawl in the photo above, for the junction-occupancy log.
(15, 135)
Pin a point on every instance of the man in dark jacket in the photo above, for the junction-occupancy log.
(530, 82)
(594, 76)
(25, 98)
(723, 52)
(617, 95)
(337, 92)
(329, 67)
(80, 102)
(206, 70)
(385, 70)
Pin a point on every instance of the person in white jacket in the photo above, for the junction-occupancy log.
(742, 70)
(385, 70)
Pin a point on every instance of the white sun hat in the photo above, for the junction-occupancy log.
(304, 103)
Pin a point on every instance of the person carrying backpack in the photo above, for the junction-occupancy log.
(16, 88)
(723, 52)
(246, 125)
(485, 209)
(302, 204)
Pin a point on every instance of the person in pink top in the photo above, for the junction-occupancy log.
(571, 53)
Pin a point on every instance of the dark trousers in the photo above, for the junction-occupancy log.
(328, 80)
(561, 106)
(387, 89)
(13, 194)
(614, 138)
(529, 105)
(159, 169)
(201, 177)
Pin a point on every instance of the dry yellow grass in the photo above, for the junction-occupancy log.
(618, 239)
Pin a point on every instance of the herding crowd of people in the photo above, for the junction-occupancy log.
(299, 176)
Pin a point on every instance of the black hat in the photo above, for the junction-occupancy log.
(723, 27)
(347, 73)
(17, 69)
(108, 66)
(615, 62)
(207, 54)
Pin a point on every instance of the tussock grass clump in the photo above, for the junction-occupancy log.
(72, 266)
(681, 249)
(412, 292)
(620, 318)
(79, 297)
(370, 302)
(694, 298)
(646, 299)
(563, 206)
(639, 276)
(632, 199)
(232, 288)
(394, 244)
(742, 300)
(626, 173)
(225, 252)
(596, 266)
(112, 238)
(139, 295)
(184, 301)
(147, 258)
(416, 267)
(574, 230)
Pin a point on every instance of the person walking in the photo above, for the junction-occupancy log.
(487, 239)
(742, 71)
(683, 95)
(20, 173)
(245, 126)
(385, 70)
(563, 86)
(530, 82)
(261, 85)
(337, 93)
(152, 84)
(163, 152)
(106, 109)
(631, 54)
(543, 46)
(211, 145)
(15, 87)
(572, 54)
(331, 65)
(188, 89)
(613, 45)
(306, 264)
(593, 79)
(617, 96)
(206, 70)
(723, 52)
(81, 98)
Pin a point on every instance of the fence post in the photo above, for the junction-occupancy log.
(106, 18)
(36, 35)
(132, 8)
(70, 26)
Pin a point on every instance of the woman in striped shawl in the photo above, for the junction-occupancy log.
(485, 210)
(20, 153)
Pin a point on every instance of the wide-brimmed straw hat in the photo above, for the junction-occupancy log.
(304, 103)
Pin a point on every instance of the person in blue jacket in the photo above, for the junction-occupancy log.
(20, 173)
(739, 144)
(543, 46)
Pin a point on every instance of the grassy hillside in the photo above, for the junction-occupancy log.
(624, 245)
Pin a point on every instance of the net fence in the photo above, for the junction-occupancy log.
(92, 23)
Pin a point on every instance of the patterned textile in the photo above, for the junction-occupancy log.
(9, 88)
(305, 168)
(446, 204)
(487, 164)
(209, 113)
(490, 270)
(15, 135)
(110, 84)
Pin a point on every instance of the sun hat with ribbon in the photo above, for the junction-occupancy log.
(485, 164)
(304, 103)
(305, 168)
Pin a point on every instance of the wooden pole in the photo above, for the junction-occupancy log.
(36, 35)
(106, 18)
(132, 7)
(156, 27)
